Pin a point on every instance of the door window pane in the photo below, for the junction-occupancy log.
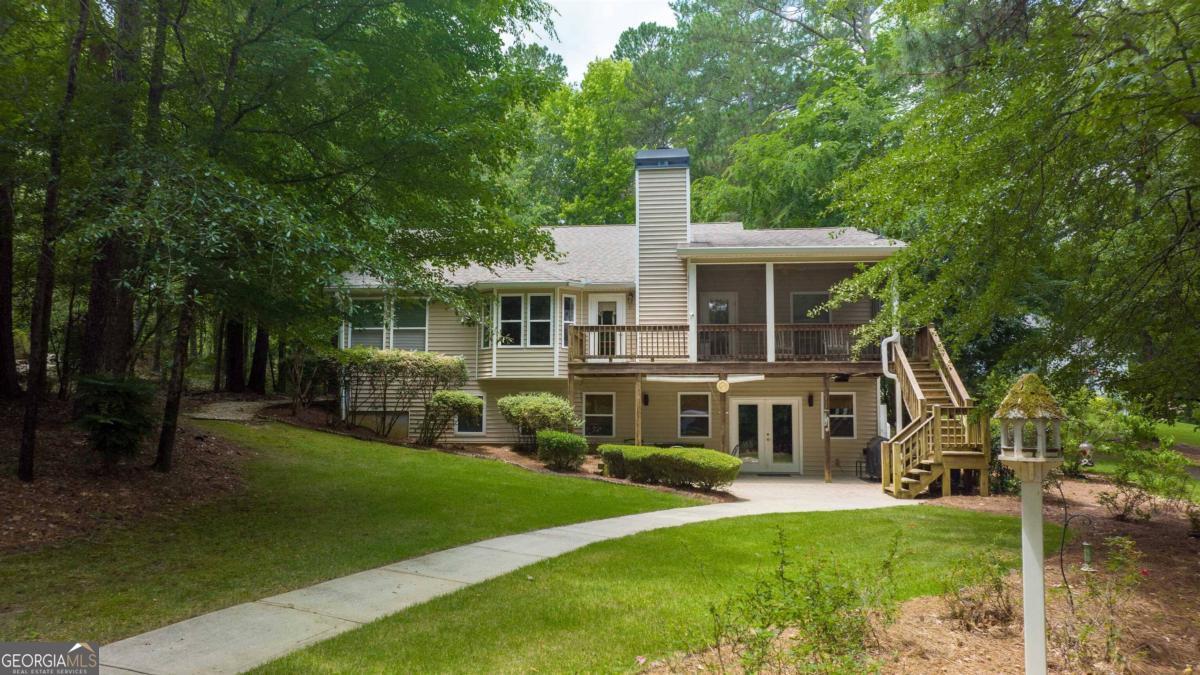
(782, 440)
(718, 311)
(747, 437)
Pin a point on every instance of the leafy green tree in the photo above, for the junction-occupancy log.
(1052, 179)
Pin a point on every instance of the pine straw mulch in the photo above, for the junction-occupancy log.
(1160, 622)
(72, 497)
(320, 417)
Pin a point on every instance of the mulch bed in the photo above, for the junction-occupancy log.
(320, 417)
(72, 497)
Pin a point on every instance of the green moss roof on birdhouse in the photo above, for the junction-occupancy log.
(1030, 399)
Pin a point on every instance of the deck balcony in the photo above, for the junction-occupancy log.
(763, 315)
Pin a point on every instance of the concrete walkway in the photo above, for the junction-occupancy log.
(241, 637)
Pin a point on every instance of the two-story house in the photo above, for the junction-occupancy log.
(667, 331)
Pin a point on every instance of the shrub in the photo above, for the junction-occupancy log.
(443, 407)
(1090, 633)
(391, 382)
(561, 450)
(530, 413)
(976, 591)
(117, 414)
(676, 467)
(810, 616)
(1145, 481)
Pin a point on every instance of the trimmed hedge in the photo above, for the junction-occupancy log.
(676, 467)
(530, 413)
(560, 450)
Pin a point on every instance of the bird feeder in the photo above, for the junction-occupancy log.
(1030, 429)
(1031, 445)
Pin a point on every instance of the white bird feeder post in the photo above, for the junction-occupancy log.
(1031, 445)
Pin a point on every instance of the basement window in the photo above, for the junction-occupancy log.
(841, 415)
(599, 415)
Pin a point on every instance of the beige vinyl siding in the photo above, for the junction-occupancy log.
(449, 335)
(660, 419)
(662, 216)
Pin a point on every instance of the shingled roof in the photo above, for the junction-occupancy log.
(606, 255)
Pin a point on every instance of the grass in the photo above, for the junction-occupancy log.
(1183, 432)
(600, 608)
(316, 506)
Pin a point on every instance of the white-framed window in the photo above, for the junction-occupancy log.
(841, 415)
(694, 414)
(568, 318)
(512, 320)
(600, 414)
(486, 327)
(473, 425)
(410, 324)
(804, 302)
(541, 314)
(367, 322)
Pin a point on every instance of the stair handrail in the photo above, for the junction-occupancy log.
(910, 385)
(905, 450)
(954, 384)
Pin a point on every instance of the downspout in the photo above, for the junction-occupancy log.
(894, 338)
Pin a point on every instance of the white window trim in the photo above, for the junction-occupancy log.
(808, 320)
(500, 321)
(679, 413)
(391, 321)
(529, 320)
(482, 417)
(384, 336)
(610, 394)
(562, 313)
(854, 416)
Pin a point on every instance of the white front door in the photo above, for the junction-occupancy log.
(606, 309)
(765, 434)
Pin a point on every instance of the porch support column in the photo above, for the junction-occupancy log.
(571, 390)
(723, 417)
(770, 312)
(825, 428)
(691, 310)
(637, 410)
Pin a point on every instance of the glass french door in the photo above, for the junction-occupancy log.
(765, 434)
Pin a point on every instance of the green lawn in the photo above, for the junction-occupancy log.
(317, 506)
(599, 608)
(1183, 432)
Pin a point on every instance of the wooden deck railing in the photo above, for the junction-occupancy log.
(715, 342)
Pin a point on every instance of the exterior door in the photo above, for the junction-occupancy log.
(765, 435)
(607, 309)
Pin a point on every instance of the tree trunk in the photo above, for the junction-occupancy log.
(179, 360)
(281, 365)
(260, 361)
(235, 356)
(65, 356)
(108, 327)
(43, 295)
(218, 351)
(10, 384)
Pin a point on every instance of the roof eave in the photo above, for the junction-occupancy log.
(802, 252)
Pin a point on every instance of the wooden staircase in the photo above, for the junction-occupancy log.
(945, 431)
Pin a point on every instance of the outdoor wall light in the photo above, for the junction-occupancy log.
(810, 400)
(645, 399)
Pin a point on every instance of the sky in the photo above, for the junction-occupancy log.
(588, 29)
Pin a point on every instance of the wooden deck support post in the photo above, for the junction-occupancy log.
(723, 417)
(571, 390)
(637, 410)
(825, 429)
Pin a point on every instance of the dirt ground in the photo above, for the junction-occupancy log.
(72, 497)
(1160, 621)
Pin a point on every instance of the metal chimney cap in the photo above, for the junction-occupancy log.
(662, 158)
